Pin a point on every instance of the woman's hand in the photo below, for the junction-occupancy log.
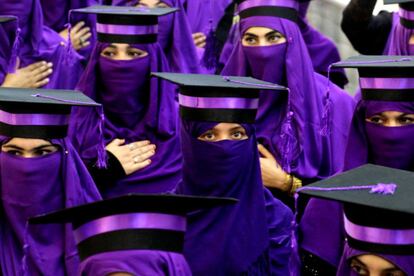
(273, 175)
(33, 76)
(199, 40)
(79, 35)
(134, 156)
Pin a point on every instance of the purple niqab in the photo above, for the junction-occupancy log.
(174, 37)
(136, 262)
(252, 237)
(403, 262)
(310, 155)
(38, 42)
(33, 186)
(153, 116)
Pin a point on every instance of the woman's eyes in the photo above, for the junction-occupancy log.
(238, 135)
(376, 120)
(209, 136)
(43, 152)
(108, 53)
(14, 152)
(274, 38)
(359, 270)
(135, 54)
(406, 120)
(250, 40)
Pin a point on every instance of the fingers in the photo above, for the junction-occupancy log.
(142, 150)
(141, 165)
(77, 27)
(35, 66)
(199, 40)
(265, 153)
(143, 157)
(117, 142)
(84, 33)
(41, 83)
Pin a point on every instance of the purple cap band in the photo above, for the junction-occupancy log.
(220, 102)
(379, 235)
(386, 83)
(130, 221)
(409, 15)
(126, 29)
(33, 119)
(260, 3)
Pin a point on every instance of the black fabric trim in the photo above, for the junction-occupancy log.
(282, 12)
(247, 116)
(106, 178)
(381, 248)
(128, 39)
(38, 108)
(132, 239)
(386, 72)
(219, 93)
(407, 23)
(36, 132)
(397, 95)
(132, 20)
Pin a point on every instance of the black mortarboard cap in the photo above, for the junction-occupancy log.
(216, 98)
(383, 78)
(132, 222)
(374, 221)
(38, 113)
(131, 25)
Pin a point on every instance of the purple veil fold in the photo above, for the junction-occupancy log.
(158, 125)
(398, 39)
(403, 262)
(250, 238)
(43, 256)
(38, 42)
(136, 262)
(314, 156)
(175, 37)
(8, 31)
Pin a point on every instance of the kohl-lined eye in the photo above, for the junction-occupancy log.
(359, 269)
(250, 40)
(376, 119)
(108, 53)
(14, 152)
(406, 120)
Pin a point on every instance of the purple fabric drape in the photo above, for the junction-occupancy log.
(398, 40)
(38, 42)
(174, 37)
(136, 108)
(252, 237)
(8, 31)
(136, 262)
(33, 186)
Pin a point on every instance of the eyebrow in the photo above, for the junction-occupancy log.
(272, 33)
(250, 34)
(358, 262)
(237, 128)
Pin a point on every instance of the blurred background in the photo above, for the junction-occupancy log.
(326, 16)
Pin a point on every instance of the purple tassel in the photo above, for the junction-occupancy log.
(210, 59)
(288, 142)
(14, 53)
(295, 262)
(326, 115)
(102, 156)
(384, 189)
(380, 188)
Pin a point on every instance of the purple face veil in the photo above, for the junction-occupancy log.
(138, 262)
(37, 42)
(174, 37)
(41, 250)
(405, 263)
(310, 155)
(153, 118)
(228, 239)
